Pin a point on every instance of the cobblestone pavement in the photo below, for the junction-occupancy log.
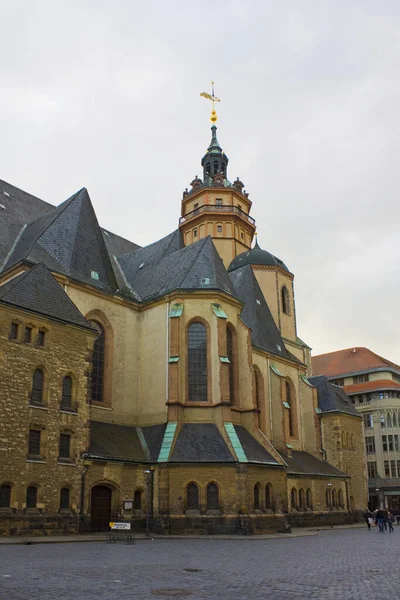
(350, 565)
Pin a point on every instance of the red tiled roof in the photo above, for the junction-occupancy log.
(347, 361)
(370, 386)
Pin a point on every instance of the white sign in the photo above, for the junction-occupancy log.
(120, 525)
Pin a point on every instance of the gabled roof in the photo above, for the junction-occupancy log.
(350, 360)
(36, 290)
(332, 398)
(256, 313)
(68, 240)
(253, 450)
(258, 257)
(120, 442)
(200, 442)
(166, 266)
(303, 463)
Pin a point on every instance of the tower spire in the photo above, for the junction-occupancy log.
(213, 98)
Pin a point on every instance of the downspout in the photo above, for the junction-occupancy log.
(82, 501)
(167, 358)
(270, 401)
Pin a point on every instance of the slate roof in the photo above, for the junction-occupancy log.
(256, 313)
(154, 435)
(303, 463)
(253, 450)
(332, 398)
(351, 360)
(200, 443)
(166, 266)
(256, 256)
(36, 290)
(108, 440)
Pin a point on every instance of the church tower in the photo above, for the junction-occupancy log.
(216, 207)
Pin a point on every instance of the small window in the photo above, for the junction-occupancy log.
(257, 496)
(194, 232)
(212, 497)
(218, 201)
(28, 335)
(268, 496)
(137, 500)
(360, 378)
(293, 498)
(65, 443)
(5, 496)
(370, 444)
(65, 498)
(219, 228)
(66, 398)
(34, 442)
(192, 497)
(31, 497)
(14, 331)
(37, 386)
(285, 300)
(308, 498)
(242, 235)
(41, 338)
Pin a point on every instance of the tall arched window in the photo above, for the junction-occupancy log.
(192, 497)
(269, 497)
(329, 498)
(353, 441)
(289, 400)
(293, 498)
(301, 499)
(37, 386)
(31, 497)
(340, 499)
(343, 440)
(5, 496)
(212, 497)
(65, 496)
(334, 498)
(308, 498)
(257, 496)
(285, 300)
(230, 352)
(97, 392)
(66, 398)
(197, 363)
(137, 500)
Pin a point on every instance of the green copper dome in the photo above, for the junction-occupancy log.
(256, 256)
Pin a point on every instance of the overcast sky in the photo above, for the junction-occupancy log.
(105, 94)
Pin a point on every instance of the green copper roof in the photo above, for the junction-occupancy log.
(237, 446)
(167, 441)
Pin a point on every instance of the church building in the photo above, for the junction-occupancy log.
(164, 384)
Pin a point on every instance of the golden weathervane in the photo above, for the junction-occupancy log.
(213, 99)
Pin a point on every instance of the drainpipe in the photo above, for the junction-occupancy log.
(82, 501)
(167, 357)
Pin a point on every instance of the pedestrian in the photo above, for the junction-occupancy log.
(390, 520)
(368, 518)
(385, 519)
(379, 519)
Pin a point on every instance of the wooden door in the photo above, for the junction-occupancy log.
(100, 508)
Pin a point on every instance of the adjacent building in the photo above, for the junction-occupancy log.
(373, 385)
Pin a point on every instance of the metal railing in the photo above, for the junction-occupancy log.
(219, 208)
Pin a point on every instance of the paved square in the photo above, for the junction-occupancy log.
(343, 564)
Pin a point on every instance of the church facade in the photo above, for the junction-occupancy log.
(163, 385)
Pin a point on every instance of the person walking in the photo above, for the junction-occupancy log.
(368, 518)
(390, 520)
(379, 517)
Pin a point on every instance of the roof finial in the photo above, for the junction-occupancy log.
(256, 243)
(213, 98)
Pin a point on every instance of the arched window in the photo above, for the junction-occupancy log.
(31, 497)
(285, 300)
(257, 496)
(212, 497)
(293, 498)
(329, 498)
(289, 401)
(5, 496)
(343, 440)
(208, 169)
(137, 500)
(66, 398)
(308, 498)
(347, 441)
(388, 420)
(301, 499)
(215, 167)
(192, 497)
(231, 354)
(269, 497)
(340, 499)
(97, 392)
(65, 497)
(197, 363)
(37, 386)
(352, 442)
(334, 498)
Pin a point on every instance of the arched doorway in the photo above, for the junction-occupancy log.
(100, 508)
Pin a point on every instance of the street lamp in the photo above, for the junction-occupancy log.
(148, 478)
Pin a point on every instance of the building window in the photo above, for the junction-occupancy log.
(5, 496)
(339, 382)
(301, 499)
(384, 443)
(65, 445)
(194, 232)
(368, 420)
(28, 335)
(230, 352)
(215, 167)
(31, 497)
(98, 364)
(37, 386)
(340, 499)
(218, 201)
(398, 468)
(212, 497)
(66, 398)
(219, 228)
(372, 470)
(14, 331)
(34, 442)
(370, 444)
(329, 498)
(41, 338)
(268, 497)
(192, 497)
(396, 443)
(293, 498)
(383, 420)
(241, 235)
(393, 468)
(291, 415)
(308, 499)
(334, 498)
(285, 300)
(137, 500)
(360, 378)
(257, 496)
(386, 468)
(197, 363)
(65, 498)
